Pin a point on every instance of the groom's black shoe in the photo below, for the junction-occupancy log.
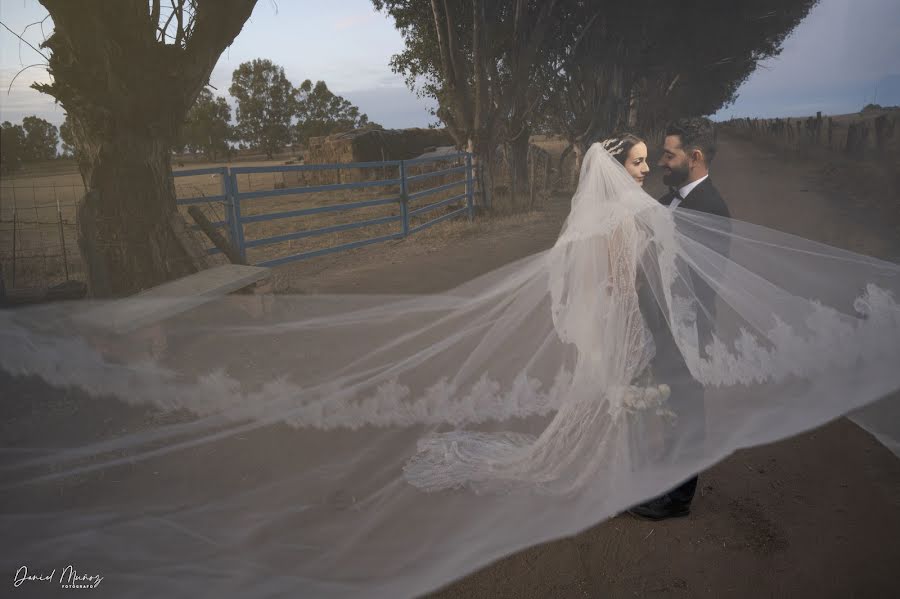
(661, 508)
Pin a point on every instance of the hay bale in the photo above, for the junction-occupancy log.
(369, 145)
(438, 180)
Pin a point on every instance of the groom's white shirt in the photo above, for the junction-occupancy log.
(684, 191)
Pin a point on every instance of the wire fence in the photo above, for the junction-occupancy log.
(39, 231)
(38, 234)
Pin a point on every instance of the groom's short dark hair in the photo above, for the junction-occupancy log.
(696, 133)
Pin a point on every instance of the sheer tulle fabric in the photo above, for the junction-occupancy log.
(378, 446)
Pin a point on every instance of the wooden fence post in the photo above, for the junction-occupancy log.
(217, 238)
(531, 177)
(12, 283)
(470, 187)
(404, 199)
(62, 235)
(237, 225)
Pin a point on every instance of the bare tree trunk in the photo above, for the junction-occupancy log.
(517, 151)
(579, 157)
(531, 159)
(476, 103)
(634, 106)
(487, 180)
(562, 158)
(482, 174)
(124, 220)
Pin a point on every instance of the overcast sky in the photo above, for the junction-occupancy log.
(842, 56)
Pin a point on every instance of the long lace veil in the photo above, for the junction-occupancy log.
(381, 446)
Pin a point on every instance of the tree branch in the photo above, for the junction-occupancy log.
(179, 11)
(22, 39)
(477, 62)
(583, 32)
(216, 24)
(165, 27)
(154, 15)
(22, 70)
(447, 46)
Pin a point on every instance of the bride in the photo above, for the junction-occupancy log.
(595, 307)
(379, 446)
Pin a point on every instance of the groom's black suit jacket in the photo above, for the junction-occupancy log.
(703, 198)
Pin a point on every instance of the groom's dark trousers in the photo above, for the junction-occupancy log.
(687, 393)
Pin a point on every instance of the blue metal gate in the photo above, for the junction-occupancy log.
(410, 204)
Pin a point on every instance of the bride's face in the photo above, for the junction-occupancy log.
(636, 162)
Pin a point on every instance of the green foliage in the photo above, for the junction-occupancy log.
(321, 112)
(35, 139)
(420, 61)
(41, 139)
(12, 144)
(265, 105)
(207, 129)
(717, 47)
(67, 136)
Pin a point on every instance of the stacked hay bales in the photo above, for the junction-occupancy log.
(364, 145)
(456, 179)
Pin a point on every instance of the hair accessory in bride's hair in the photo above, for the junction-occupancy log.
(613, 145)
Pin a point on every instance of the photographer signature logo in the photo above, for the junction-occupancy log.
(69, 578)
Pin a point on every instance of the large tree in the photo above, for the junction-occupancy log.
(127, 72)
(207, 130)
(590, 69)
(35, 139)
(41, 139)
(319, 112)
(478, 59)
(12, 147)
(265, 105)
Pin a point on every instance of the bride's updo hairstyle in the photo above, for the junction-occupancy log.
(619, 145)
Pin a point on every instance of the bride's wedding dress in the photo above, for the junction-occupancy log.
(381, 446)
(594, 306)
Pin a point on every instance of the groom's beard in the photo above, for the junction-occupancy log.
(676, 177)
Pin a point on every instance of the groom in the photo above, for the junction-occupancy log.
(688, 151)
